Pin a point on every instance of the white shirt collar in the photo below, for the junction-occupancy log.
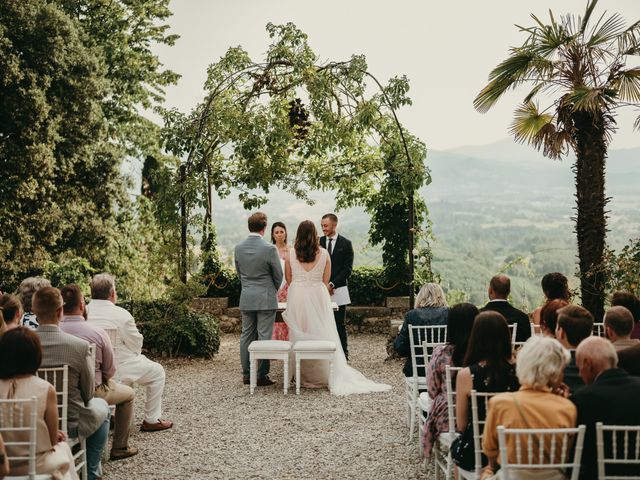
(254, 234)
(332, 237)
(499, 300)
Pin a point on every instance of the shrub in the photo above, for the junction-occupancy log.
(367, 286)
(175, 329)
(224, 283)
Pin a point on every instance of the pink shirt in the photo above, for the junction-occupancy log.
(77, 326)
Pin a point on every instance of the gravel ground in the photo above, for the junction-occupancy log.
(221, 431)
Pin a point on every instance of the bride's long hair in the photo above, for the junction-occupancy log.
(307, 243)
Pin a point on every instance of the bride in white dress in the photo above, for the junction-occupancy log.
(309, 315)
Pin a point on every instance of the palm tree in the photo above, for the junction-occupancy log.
(577, 66)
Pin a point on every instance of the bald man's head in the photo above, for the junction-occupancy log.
(499, 287)
(595, 355)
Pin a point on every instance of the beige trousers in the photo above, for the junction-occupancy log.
(122, 397)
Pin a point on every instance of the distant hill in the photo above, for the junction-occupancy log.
(490, 205)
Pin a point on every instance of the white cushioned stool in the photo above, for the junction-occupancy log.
(268, 350)
(314, 350)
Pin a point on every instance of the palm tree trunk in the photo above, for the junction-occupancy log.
(591, 221)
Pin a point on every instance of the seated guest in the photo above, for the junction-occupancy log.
(629, 360)
(549, 317)
(88, 417)
(20, 357)
(555, 286)
(631, 303)
(11, 311)
(618, 324)
(430, 309)
(538, 404)
(606, 398)
(499, 290)
(489, 368)
(459, 325)
(575, 323)
(106, 388)
(133, 367)
(27, 288)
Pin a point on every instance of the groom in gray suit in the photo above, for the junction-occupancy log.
(260, 273)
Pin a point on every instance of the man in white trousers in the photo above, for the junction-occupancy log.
(132, 366)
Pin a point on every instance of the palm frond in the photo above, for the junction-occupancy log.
(505, 76)
(556, 143)
(636, 124)
(587, 15)
(591, 99)
(530, 125)
(627, 85)
(534, 91)
(513, 67)
(546, 39)
(611, 28)
(629, 40)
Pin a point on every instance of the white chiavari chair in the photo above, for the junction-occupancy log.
(18, 428)
(441, 449)
(59, 378)
(540, 449)
(478, 421)
(618, 447)
(418, 334)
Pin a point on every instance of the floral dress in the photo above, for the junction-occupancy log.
(280, 330)
(438, 419)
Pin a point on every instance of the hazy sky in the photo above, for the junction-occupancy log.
(446, 49)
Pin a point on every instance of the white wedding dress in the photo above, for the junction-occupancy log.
(309, 317)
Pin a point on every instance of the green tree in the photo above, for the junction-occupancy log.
(122, 33)
(60, 182)
(292, 122)
(580, 67)
(623, 268)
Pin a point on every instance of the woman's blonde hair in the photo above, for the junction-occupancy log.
(430, 295)
(541, 361)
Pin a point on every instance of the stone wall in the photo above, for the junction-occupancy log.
(360, 319)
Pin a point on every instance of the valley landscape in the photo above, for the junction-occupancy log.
(498, 207)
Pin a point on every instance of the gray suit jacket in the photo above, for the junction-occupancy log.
(260, 272)
(59, 348)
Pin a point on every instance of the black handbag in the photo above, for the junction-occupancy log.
(463, 451)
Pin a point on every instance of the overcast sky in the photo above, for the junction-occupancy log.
(446, 49)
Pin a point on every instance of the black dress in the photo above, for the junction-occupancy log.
(482, 382)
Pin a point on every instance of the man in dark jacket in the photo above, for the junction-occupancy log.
(341, 253)
(499, 289)
(629, 360)
(607, 397)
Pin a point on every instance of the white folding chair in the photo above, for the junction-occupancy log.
(478, 423)
(418, 334)
(535, 329)
(424, 402)
(598, 329)
(92, 354)
(546, 449)
(18, 429)
(59, 378)
(621, 450)
(441, 449)
(513, 331)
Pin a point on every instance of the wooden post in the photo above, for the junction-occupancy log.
(183, 226)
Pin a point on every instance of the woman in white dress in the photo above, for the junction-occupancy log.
(309, 315)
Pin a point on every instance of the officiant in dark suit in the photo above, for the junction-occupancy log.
(341, 253)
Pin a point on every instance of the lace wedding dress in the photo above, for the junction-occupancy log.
(309, 317)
